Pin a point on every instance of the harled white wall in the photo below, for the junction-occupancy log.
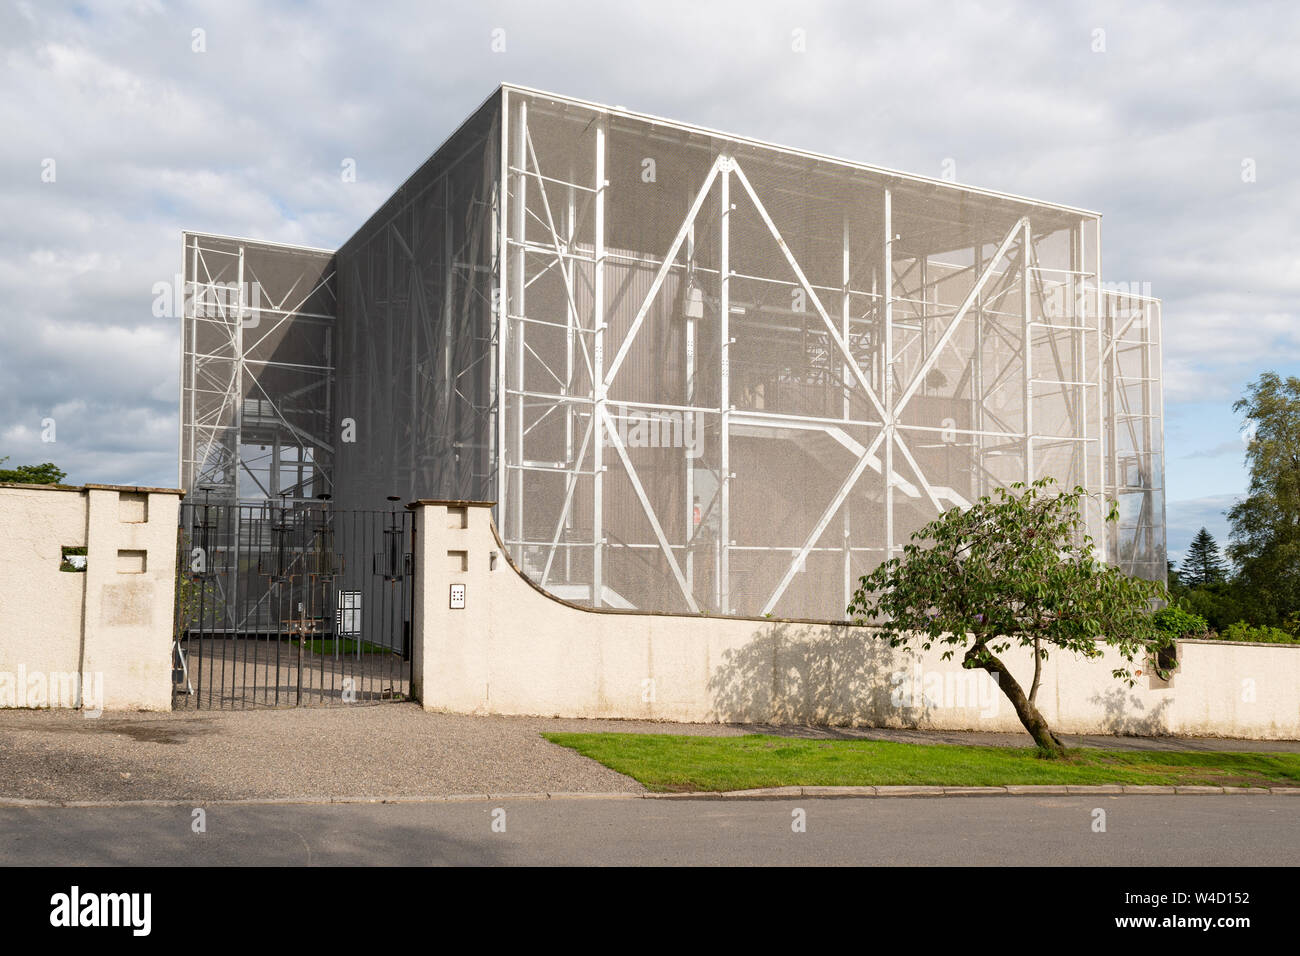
(112, 623)
(516, 650)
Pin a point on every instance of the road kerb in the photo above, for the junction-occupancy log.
(763, 793)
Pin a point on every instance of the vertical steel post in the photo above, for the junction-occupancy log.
(192, 444)
(980, 482)
(598, 383)
(1156, 332)
(448, 316)
(887, 362)
(1111, 402)
(239, 375)
(501, 310)
(517, 308)
(845, 308)
(571, 327)
(724, 402)
(1077, 347)
(689, 284)
(1028, 363)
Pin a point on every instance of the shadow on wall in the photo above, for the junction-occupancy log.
(795, 673)
(1126, 715)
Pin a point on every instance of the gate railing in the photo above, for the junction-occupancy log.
(291, 604)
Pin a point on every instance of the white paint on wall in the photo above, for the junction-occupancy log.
(99, 638)
(516, 650)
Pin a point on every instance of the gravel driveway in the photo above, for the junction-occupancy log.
(391, 749)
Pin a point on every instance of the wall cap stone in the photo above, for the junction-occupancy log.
(135, 489)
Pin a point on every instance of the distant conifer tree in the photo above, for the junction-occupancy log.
(1203, 563)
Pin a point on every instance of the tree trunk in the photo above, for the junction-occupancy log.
(1028, 713)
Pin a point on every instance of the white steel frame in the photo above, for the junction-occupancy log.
(1012, 270)
(1067, 354)
(214, 455)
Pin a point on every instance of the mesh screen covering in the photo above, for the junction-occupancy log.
(1135, 455)
(415, 377)
(701, 374)
(770, 336)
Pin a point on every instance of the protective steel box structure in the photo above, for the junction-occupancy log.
(697, 373)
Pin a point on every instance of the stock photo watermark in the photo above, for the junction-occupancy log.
(41, 690)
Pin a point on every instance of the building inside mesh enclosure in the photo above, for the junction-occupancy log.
(695, 372)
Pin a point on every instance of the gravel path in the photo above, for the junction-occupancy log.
(392, 749)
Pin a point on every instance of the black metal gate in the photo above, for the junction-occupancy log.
(291, 605)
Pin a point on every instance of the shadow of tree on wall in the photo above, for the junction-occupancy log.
(1127, 716)
(812, 674)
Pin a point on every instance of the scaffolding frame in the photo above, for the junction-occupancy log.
(257, 369)
(1061, 347)
(854, 350)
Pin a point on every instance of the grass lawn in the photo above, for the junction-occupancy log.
(666, 762)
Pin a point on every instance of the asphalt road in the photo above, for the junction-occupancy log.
(991, 831)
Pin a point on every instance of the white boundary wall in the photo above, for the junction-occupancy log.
(513, 649)
(98, 639)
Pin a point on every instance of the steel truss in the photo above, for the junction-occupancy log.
(257, 370)
(1015, 319)
(697, 373)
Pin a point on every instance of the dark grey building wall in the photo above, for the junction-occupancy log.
(414, 397)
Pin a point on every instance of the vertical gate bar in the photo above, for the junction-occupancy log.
(391, 542)
(354, 548)
(314, 553)
(264, 644)
(366, 678)
(356, 545)
(273, 630)
(373, 670)
(300, 627)
(264, 641)
(184, 548)
(327, 582)
(231, 590)
(336, 548)
(395, 603)
(247, 591)
(328, 575)
(368, 667)
(366, 548)
(361, 544)
(238, 624)
(358, 670)
(231, 609)
(385, 591)
(219, 681)
(203, 592)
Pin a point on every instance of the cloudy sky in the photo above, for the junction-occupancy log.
(1148, 113)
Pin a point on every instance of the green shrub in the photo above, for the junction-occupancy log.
(1219, 604)
(1177, 622)
(1241, 631)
